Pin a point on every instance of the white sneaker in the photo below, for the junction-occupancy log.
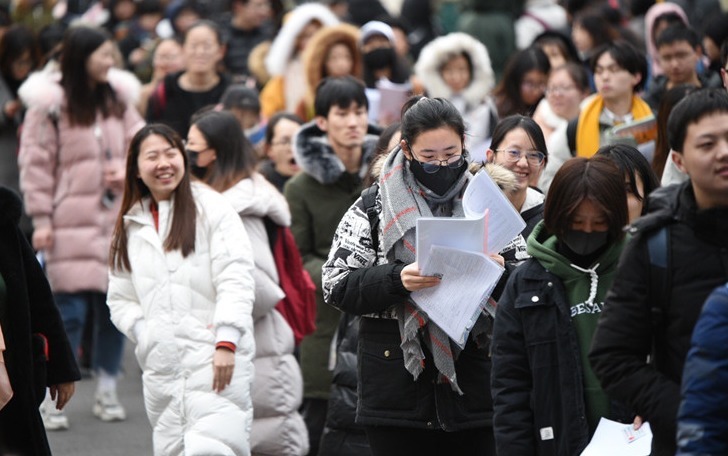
(53, 419)
(107, 407)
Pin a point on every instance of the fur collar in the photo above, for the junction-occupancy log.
(42, 89)
(10, 206)
(316, 157)
(283, 46)
(439, 51)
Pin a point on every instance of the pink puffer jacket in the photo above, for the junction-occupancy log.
(61, 177)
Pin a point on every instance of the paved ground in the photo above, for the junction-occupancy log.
(89, 436)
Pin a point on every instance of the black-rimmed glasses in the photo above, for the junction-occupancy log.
(533, 157)
(432, 166)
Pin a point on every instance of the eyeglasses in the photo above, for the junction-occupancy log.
(558, 90)
(533, 157)
(433, 165)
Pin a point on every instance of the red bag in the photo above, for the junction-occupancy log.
(299, 305)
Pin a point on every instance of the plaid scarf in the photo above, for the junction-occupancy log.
(404, 200)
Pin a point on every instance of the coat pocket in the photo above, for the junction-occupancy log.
(384, 383)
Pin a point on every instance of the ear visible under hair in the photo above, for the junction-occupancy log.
(322, 123)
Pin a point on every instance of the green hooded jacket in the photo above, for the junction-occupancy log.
(586, 289)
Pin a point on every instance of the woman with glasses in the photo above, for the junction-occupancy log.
(418, 392)
(180, 94)
(523, 83)
(546, 399)
(567, 87)
(518, 145)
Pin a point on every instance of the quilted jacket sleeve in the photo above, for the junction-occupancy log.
(232, 266)
(351, 280)
(37, 160)
(123, 303)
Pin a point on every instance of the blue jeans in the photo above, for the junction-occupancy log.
(108, 342)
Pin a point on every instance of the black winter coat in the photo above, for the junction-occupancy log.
(698, 263)
(388, 395)
(28, 309)
(341, 434)
(536, 382)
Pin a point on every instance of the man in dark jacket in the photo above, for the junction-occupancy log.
(650, 312)
(333, 151)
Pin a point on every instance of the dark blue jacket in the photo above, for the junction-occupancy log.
(703, 417)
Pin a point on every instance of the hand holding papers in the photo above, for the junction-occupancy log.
(467, 278)
(456, 250)
(613, 438)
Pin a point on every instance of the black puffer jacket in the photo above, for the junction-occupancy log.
(698, 259)
(388, 395)
(341, 434)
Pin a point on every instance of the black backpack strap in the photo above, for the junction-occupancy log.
(571, 135)
(369, 198)
(658, 249)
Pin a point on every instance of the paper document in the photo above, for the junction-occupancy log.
(392, 97)
(504, 221)
(460, 233)
(455, 303)
(613, 438)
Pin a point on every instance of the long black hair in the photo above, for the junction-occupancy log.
(83, 97)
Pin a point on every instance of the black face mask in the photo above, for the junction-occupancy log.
(583, 243)
(196, 170)
(379, 58)
(439, 182)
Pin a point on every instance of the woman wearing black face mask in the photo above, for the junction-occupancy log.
(226, 162)
(418, 392)
(542, 382)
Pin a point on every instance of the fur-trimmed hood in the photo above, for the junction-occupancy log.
(439, 51)
(321, 43)
(10, 206)
(317, 159)
(284, 44)
(43, 89)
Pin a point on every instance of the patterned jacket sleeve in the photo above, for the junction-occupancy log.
(356, 278)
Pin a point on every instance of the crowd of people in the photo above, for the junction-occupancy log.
(234, 187)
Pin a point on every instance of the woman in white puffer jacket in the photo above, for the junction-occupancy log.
(224, 159)
(181, 287)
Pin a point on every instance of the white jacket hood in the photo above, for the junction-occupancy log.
(257, 197)
(283, 46)
(439, 51)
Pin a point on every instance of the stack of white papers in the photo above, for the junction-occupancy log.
(613, 438)
(456, 249)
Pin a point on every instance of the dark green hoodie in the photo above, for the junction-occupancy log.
(585, 290)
